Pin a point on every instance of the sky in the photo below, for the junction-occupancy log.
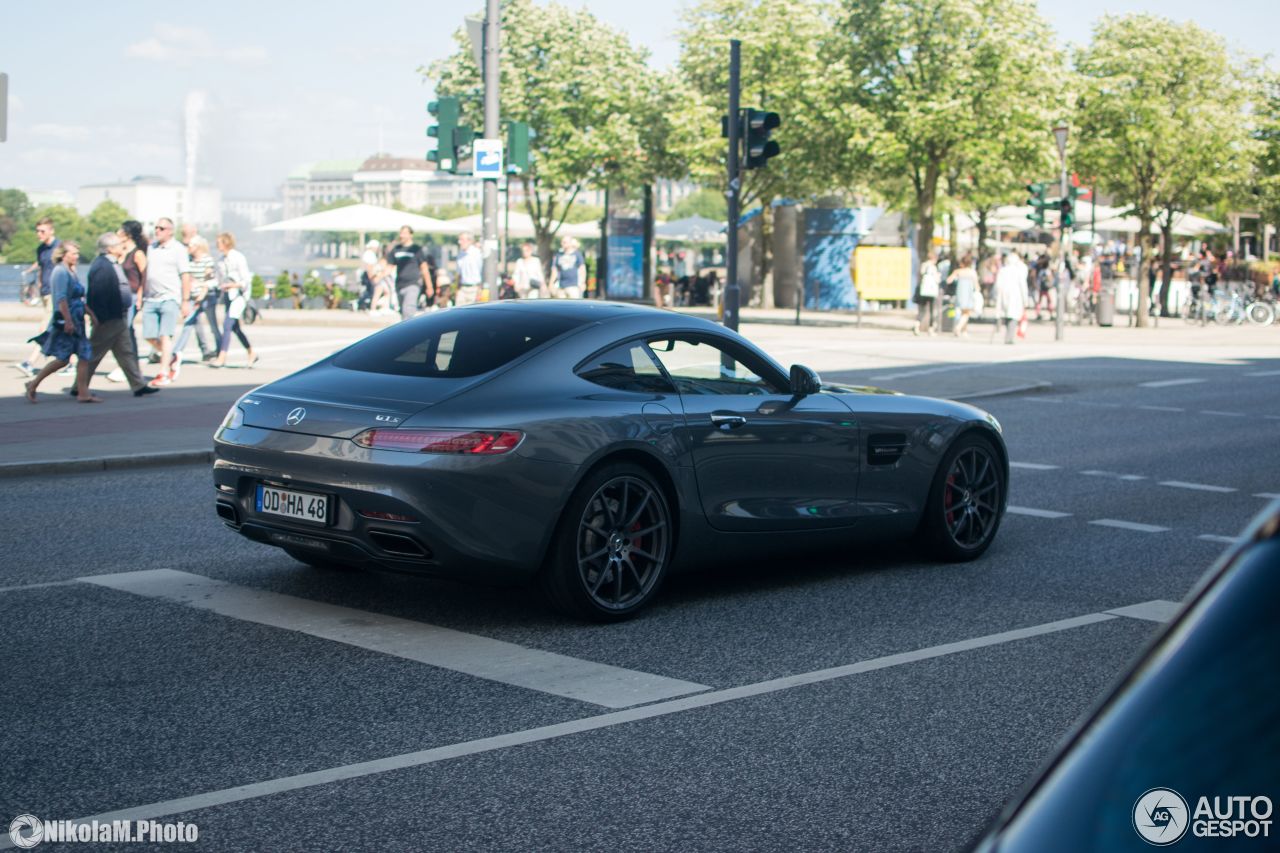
(281, 85)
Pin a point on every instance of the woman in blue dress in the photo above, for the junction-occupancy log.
(66, 335)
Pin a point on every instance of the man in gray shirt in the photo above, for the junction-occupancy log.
(470, 269)
(165, 298)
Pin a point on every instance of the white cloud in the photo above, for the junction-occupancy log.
(61, 132)
(184, 45)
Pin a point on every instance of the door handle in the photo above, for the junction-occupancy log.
(729, 421)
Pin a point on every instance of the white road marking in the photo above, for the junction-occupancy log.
(1152, 611)
(508, 663)
(1037, 513)
(587, 724)
(924, 372)
(36, 586)
(1034, 466)
(1268, 495)
(1264, 373)
(1213, 537)
(1223, 414)
(1126, 477)
(1199, 487)
(1169, 383)
(1162, 408)
(1128, 525)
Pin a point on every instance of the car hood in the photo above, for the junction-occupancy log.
(326, 400)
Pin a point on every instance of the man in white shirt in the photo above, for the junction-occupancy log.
(165, 299)
(470, 269)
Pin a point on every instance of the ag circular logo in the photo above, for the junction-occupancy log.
(26, 831)
(1160, 816)
(295, 417)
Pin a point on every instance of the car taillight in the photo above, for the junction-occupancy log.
(471, 442)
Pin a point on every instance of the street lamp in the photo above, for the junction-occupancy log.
(1060, 133)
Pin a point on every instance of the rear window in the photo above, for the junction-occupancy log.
(454, 343)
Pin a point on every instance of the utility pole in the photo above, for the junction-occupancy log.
(492, 130)
(1064, 232)
(731, 290)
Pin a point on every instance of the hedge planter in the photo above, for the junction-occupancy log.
(315, 303)
(282, 304)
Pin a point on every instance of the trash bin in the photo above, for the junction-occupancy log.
(948, 319)
(1106, 307)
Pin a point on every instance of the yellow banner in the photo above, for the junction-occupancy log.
(882, 273)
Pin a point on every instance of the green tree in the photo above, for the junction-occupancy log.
(710, 204)
(15, 211)
(1162, 122)
(932, 75)
(597, 110)
(1266, 170)
(107, 216)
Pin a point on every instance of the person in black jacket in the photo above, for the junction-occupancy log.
(108, 300)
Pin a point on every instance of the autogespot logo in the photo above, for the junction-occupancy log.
(295, 417)
(26, 831)
(1160, 816)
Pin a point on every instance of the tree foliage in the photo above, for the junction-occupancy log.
(938, 78)
(597, 111)
(1162, 120)
(709, 204)
(1266, 173)
(68, 224)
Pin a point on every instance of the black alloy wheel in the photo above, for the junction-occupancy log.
(967, 500)
(613, 547)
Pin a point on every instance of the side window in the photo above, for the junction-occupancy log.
(627, 367)
(701, 367)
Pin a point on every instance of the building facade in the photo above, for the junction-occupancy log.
(149, 197)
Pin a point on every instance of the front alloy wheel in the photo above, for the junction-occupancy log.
(967, 500)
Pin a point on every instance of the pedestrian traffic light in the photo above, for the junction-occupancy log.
(1068, 210)
(518, 135)
(1037, 202)
(445, 111)
(759, 126)
(463, 139)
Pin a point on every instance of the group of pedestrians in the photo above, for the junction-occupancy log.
(405, 278)
(173, 284)
(1009, 278)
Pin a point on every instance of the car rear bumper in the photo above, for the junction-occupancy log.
(470, 517)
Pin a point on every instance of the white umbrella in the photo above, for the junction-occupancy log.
(692, 229)
(521, 226)
(1184, 225)
(363, 218)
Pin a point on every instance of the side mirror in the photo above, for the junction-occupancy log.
(804, 381)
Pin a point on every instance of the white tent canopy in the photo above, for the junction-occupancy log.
(521, 226)
(1184, 225)
(363, 218)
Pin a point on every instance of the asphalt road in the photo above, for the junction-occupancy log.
(864, 701)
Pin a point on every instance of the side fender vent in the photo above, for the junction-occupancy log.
(885, 448)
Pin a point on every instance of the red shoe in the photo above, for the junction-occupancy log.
(160, 381)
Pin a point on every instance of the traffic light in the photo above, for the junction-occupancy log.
(463, 138)
(1068, 204)
(445, 111)
(518, 135)
(759, 126)
(1037, 202)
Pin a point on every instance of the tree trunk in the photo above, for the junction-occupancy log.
(953, 247)
(1147, 246)
(1166, 265)
(981, 254)
(926, 197)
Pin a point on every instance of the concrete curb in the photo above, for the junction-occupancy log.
(105, 463)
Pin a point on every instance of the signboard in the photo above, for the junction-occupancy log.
(883, 273)
(487, 154)
(625, 258)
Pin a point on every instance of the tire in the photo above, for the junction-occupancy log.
(966, 502)
(1261, 313)
(317, 562)
(612, 546)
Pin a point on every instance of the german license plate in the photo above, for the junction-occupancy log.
(291, 504)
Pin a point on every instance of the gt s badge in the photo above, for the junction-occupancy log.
(387, 419)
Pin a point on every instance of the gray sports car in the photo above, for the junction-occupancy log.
(594, 446)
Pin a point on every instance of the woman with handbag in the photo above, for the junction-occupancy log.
(233, 275)
(66, 335)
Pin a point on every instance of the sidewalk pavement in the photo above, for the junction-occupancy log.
(177, 425)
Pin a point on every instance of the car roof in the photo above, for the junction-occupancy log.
(594, 310)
